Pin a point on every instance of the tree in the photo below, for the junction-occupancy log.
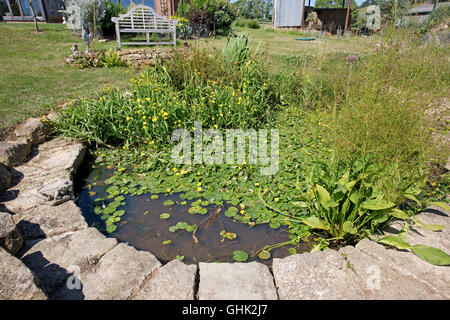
(393, 10)
(255, 9)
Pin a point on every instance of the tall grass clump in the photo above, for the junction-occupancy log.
(227, 89)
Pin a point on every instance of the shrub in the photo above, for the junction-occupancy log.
(113, 9)
(253, 24)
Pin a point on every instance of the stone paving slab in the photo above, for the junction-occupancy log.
(17, 282)
(52, 260)
(10, 238)
(407, 263)
(316, 275)
(173, 281)
(384, 282)
(235, 281)
(50, 162)
(45, 221)
(118, 275)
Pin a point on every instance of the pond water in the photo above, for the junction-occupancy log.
(142, 227)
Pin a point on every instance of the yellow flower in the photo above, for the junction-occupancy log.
(256, 184)
(199, 184)
(154, 119)
(174, 169)
(277, 199)
(168, 189)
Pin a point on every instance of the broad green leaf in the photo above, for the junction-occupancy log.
(432, 227)
(112, 189)
(239, 255)
(154, 196)
(109, 210)
(179, 257)
(349, 228)
(119, 213)
(324, 196)
(377, 204)
(111, 228)
(230, 235)
(440, 204)
(292, 251)
(119, 198)
(167, 242)
(315, 223)
(397, 213)
(264, 255)
(396, 242)
(164, 216)
(412, 197)
(432, 255)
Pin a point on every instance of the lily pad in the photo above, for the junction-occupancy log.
(164, 216)
(240, 256)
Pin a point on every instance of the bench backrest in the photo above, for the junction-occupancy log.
(143, 17)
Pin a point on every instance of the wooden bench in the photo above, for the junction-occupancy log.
(143, 19)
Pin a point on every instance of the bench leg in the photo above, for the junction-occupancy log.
(148, 37)
(175, 37)
(118, 35)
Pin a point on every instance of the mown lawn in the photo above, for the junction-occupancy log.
(34, 77)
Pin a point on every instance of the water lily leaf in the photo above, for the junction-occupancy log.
(168, 203)
(240, 256)
(349, 228)
(190, 228)
(395, 242)
(231, 212)
(292, 251)
(111, 228)
(119, 213)
(230, 235)
(119, 198)
(109, 210)
(274, 225)
(377, 204)
(146, 212)
(179, 257)
(432, 255)
(173, 228)
(315, 223)
(203, 211)
(112, 189)
(264, 254)
(167, 242)
(193, 210)
(183, 203)
(154, 196)
(164, 216)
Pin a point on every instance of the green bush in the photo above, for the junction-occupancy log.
(253, 24)
(112, 10)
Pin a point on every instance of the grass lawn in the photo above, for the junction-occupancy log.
(34, 76)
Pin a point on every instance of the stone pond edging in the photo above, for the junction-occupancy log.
(48, 251)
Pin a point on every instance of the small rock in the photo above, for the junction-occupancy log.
(10, 238)
(32, 129)
(5, 178)
(236, 281)
(174, 281)
(17, 282)
(13, 153)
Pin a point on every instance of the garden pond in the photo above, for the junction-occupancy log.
(172, 228)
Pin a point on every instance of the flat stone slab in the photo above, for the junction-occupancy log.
(44, 221)
(173, 281)
(407, 263)
(17, 282)
(236, 281)
(51, 162)
(385, 282)
(119, 274)
(53, 260)
(5, 178)
(10, 238)
(316, 276)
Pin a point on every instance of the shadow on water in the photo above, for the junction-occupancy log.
(142, 227)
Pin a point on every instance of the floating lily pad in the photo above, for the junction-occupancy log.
(154, 196)
(240, 256)
(164, 216)
(168, 203)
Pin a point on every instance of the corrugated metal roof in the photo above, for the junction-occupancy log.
(288, 13)
(426, 8)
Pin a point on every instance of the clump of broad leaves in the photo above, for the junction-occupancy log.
(349, 200)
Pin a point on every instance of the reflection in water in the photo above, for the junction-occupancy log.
(142, 227)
